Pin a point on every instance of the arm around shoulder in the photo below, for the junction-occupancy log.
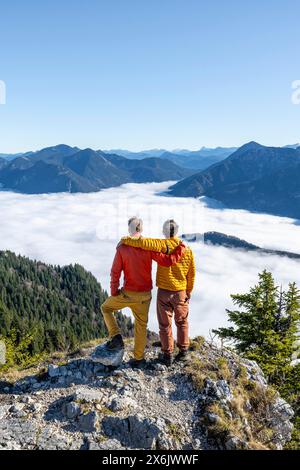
(149, 244)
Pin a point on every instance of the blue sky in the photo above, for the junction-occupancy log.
(143, 74)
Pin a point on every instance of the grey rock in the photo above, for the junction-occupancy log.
(51, 439)
(4, 410)
(134, 431)
(88, 422)
(106, 444)
(99, 368)
(35, 407)
(62, 381)
(16, 433)
(63, 371)
(116, 405)
(160, 367)
(282, 408)
(53, 370)
(281, 413)
(87, 395)
(212, 418)
(26, 399)
(163, 390)
(71, 410)
(224, 389)
(17, 407)
(235, 443)
(120, 404)
(106, 357)
(20, 414)
(78, 444)
(78, 375)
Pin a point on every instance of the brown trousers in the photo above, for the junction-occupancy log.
(169, 302)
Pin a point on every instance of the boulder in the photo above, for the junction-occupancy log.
(120, 404)
(108, 358)
(87, 395)
(71, 410)
(88, 422)
(134, 431)
(53, 371)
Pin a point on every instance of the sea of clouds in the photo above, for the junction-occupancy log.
(85, 228)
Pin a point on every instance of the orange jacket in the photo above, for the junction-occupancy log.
(136, 265)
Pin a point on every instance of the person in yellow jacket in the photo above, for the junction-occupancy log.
(175, 285)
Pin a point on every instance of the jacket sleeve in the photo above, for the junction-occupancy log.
(115, 273)
(191, 274)
(150, 244)
(168, 260)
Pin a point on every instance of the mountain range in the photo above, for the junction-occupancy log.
(254, 177)
(63, 168)
(194, 159)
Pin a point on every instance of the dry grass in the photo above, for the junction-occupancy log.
(223, 369)
(196, 344)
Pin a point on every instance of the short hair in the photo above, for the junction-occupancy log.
(170, 228)
(135, 225)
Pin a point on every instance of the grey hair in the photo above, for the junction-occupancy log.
(135, 225)
(170, 228)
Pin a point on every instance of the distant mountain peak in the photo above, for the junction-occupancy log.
(252, 145)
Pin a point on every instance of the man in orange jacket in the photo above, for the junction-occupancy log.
(136, 265)
(175, 284)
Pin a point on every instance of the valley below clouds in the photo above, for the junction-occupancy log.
(85, 228)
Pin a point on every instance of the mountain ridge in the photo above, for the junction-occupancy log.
(69, 169)
(255, 177)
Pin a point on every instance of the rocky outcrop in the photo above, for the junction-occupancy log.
(215, 401)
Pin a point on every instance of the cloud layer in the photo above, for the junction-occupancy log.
(84, 228)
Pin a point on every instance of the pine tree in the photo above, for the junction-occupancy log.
(266, 326)
(267, 331)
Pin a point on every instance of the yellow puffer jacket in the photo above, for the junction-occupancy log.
(180, 276)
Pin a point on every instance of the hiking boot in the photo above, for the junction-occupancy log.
(166, 359)
(137, 363)
(116, 343)
(182, 356)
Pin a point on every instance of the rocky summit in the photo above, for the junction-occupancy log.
(214, 400)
